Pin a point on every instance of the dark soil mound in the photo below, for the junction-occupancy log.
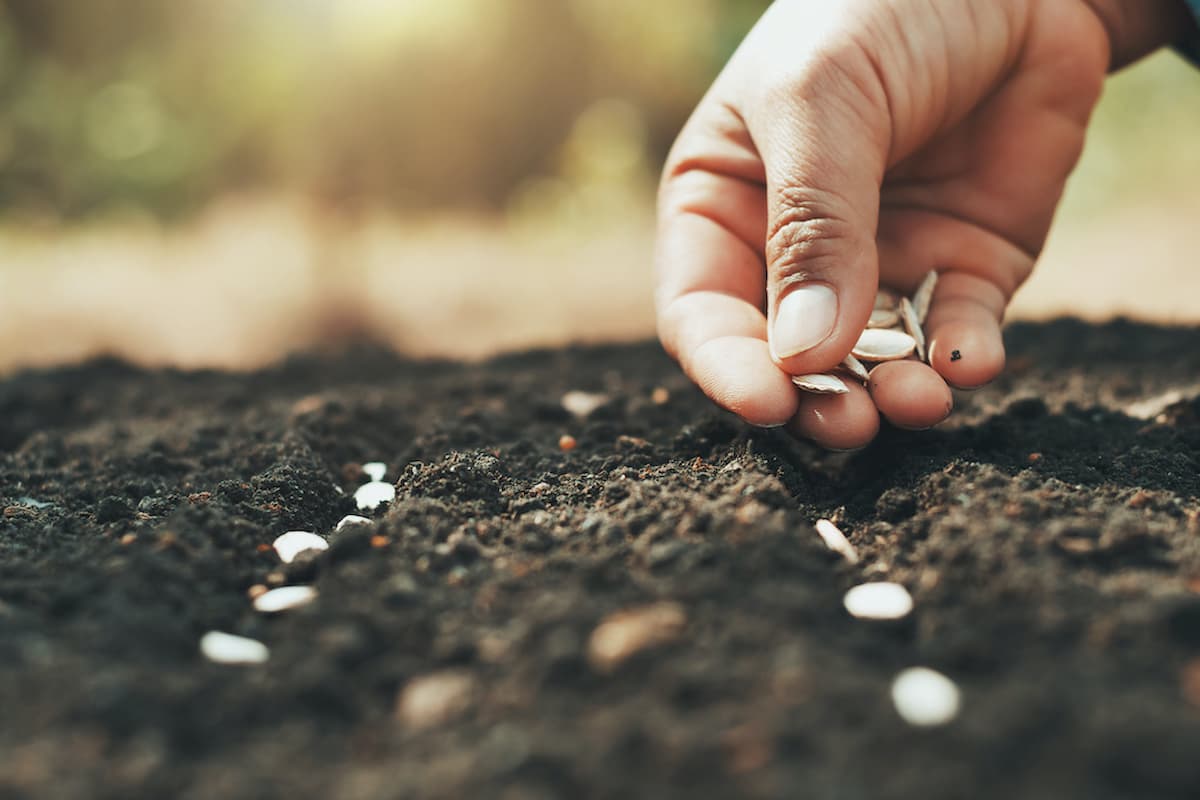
(1049, 538)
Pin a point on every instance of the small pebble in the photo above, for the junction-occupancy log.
(375, 470)
(431, 700)
(225, 648)
(293, 543)
(582, 404)
(352, 519)
(627, 632)
(925, 698)
(567, 443)
(371, 495)
(882, 600)
(284, 598)
(835, 540)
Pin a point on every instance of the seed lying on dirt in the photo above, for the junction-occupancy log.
(371, 495)
(820, 384)
(284, 598)
(352, 519)
(923, 296)
(293, 543)
(879, 344)
(883, 600)
(925, 698)
(375, 470)
(913, 325)
(582, 404)
(835, 540)
(431, 700)
(627, 632)
(883, 318)
(225, 648)
(855, 368)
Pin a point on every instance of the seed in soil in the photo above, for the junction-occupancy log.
(820, 384)
(835, 540)
(925, 698)
(375, 470)
(567, 443)
(883, 318)
(371, 495)
(882, 600)
(284, 598)
(855, 367)
(431, 700)
(878, 344)
(913, 325)
(293, 543)
(923, 296)
(352, 519)
(225, 648)
(582, 404)
(625, 633)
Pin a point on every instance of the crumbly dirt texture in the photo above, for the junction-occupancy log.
(1049, 539)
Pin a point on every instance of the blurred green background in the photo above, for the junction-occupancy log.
(219, 181)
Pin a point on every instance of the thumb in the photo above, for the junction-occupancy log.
(824, 141)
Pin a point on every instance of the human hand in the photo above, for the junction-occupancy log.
(864, 142)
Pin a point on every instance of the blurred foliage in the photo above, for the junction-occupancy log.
(533, 107)
(413, 103)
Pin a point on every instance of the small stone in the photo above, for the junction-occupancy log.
(225, 648)
(284, 598)
(878, 344)
(567, 443)
(371, 495)
(375, 470)
(582, 404)
(883, 318)
(293, 543)
(923, 296)
(820, 384)
(835, 540)
(660, 396)
(882, 600)
(913, 325)
(625, 633)
(925, 698)
(352, 519)
(432, 700)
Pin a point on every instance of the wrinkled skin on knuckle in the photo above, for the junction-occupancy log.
(806, 237)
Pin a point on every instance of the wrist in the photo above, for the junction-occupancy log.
(1138, 27)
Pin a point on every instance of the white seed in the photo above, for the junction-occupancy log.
(885, 298)
(878, 344)
(375, 470)
(820, 384)
(352, 519)
(923, 296)
(431, 700)
(284, 598)
(836, 541)
(293, 543)
(883, 318)
(627, 632)
(913, 325)
(582, 404)
(225, 648)
(883, 600)
(925, 698)
(370, 495)
(855, 368)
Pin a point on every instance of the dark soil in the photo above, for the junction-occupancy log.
(1050, 541)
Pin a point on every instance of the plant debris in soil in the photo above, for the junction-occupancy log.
(623, 598)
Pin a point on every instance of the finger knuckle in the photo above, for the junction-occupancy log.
(806, 235)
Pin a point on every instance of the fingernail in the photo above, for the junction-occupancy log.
(805, 319)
